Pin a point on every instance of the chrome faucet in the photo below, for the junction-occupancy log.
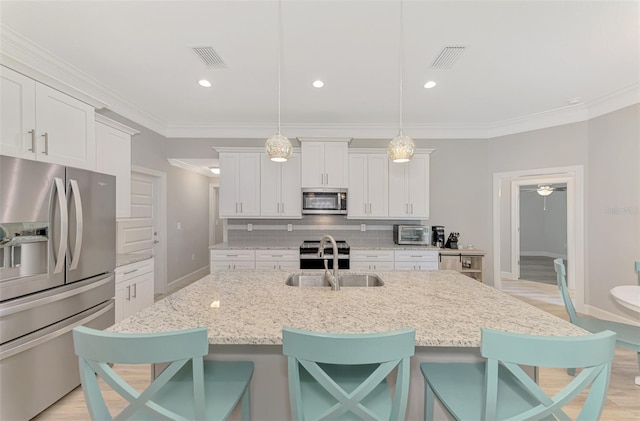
(333, 279)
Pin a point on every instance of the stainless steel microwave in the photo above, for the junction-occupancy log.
(324, 201)
(412, 234)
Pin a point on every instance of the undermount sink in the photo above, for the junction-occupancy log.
(345, 281)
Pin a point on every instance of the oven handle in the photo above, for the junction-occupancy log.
(326, 256)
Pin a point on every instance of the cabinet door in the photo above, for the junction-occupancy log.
(17, 130)
(358, 203)
(121, 299)
(229, 203)
(312, 164)
(336, 165)
(378, 185)
(113, 156)
(290, 190)
(398, 190)
(249, 184)
(270, 187)
(65, 128)
(141, 292)
(419, 186)
(450, 263)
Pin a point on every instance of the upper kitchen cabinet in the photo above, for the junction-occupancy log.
(325, 162)
(280, 192)
(409, 187)
(368, 185)
(113, 156)
(239, 184)
(41, 123)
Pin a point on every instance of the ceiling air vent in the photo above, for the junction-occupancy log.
(447, 57)
(209, 56)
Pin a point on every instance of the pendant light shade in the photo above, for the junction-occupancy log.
(278, 147)
(401, 147)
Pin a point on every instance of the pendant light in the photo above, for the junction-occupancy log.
(401, 147)
(278, 147)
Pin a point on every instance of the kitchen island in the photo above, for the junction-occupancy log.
(244, 312)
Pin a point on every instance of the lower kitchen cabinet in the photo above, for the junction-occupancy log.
(416, 260)
(232, 259)
(371, 260)
(278, 259)
(134, 288)
(467, 262)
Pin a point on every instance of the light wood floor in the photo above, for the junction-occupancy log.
(623, 401)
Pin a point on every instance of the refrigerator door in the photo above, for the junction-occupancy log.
(91, 200)
(31, 254)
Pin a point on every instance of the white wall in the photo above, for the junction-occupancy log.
(543, 232)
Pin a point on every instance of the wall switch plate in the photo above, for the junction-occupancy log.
(289, 227)
(249, 227)
(193, 256)
(179, 225)
(363, 227)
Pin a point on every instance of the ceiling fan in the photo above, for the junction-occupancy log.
(544, 190)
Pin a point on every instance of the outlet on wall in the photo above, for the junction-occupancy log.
(363, 227)
(289, 227)
(249, 227)
(193, 256)
(179, 226)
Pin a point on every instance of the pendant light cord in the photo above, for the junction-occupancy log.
(279, 56)
(401, 54)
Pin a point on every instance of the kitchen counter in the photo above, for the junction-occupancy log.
(294, 245)
(446, 308)
(128, 258)
(353, 244)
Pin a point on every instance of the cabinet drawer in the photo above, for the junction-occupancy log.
(234, 255)
(279, 255)
(416, 266)
(416, 256)
(277, 265)
(231, 265)
(371, 265)
(130, 271)
(371, 255)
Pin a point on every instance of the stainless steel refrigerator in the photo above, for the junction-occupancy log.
(57, 261)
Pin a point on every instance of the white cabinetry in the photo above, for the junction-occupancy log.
(239, 185)
(409, 188)
(113, 147)
(368, 186)
(416, 260)
(325, 162)
(278, 259)
(232, 258)
(280, 193)
(41, 123)
(371, 260)
(134, 288)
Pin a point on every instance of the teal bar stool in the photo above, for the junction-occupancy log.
(627, 336)
(638, 271)
(344, 376)
(188, 389)
(499, 389)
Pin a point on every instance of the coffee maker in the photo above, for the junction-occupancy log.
(437, 236)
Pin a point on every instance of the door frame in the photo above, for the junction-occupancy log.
(160, 204)
(515, 216)
(575, 221)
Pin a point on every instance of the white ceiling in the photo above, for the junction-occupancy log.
(524, 61)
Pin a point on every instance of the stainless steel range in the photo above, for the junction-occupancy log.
(309, 255)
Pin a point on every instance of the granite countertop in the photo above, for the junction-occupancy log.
(128, 258)
(294, 245)
(445, 307)
(354, 244)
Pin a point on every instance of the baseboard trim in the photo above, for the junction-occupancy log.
(542, 254)
(187, 279)
(603, 314)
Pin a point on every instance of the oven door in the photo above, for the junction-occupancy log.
(313, 262)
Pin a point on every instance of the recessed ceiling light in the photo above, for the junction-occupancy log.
(205, 83)
(429, 84)
(318, 84)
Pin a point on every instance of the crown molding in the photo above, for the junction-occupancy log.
(193, 168)
(116, 125)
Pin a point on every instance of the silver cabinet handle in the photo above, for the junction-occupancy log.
(46, 143)
(64, 224)
(75, 257)
(131, 271)
(129, 293)
(240, 207)
(282, 207)
(412, 209)
(135, 290)
(33, 140)
(322, 178)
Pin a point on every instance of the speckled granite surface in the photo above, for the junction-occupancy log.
(445, 307)
(354, 244)
(295, 245)
(126, 259)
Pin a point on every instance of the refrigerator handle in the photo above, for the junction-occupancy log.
(77, 249)
(64, 225)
